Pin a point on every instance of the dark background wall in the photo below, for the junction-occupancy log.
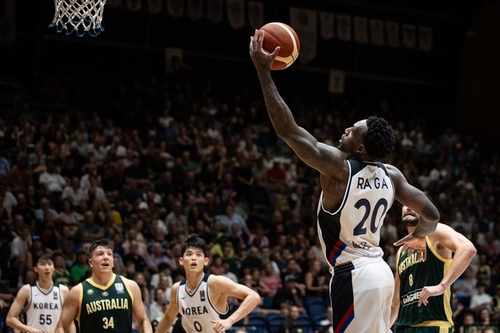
(478, 94)
(134, 44)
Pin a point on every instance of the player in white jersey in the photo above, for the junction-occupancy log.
(41, 301)
(201, 299)
(357, 192)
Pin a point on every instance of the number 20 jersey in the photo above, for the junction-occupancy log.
(353, 230)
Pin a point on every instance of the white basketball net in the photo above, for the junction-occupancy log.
(79, 16)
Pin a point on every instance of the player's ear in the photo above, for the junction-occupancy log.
(90, 262)
(361, 149)
(206, 260)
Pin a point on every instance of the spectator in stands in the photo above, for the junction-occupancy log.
(289, 295)
(291, 322)
(480, 299)
(315, 281)
(52, 182)
(22, 209)
(61, 274)
(156, 309)
(81, 268)
(89, 231)
(20, 177)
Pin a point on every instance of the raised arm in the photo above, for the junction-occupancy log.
(70, 310)
(138, 308)
(170, 314)
(227, 288)
(464, 253)
(324, 158)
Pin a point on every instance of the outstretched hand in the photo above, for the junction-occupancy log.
(260, 57)
(414, 245)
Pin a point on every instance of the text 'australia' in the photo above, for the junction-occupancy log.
(107, 304)
(409, 261)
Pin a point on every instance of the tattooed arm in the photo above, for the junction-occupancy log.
(326, 159)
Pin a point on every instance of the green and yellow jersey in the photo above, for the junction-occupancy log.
(414, 275)
(105, 309)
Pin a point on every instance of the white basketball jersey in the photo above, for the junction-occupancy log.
(44, 309)
(353, 231)
(196, 308)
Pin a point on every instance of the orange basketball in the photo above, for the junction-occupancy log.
(282, 35)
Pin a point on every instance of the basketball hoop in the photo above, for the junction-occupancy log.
(79, 16)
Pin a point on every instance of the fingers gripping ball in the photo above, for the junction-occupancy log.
(282, 35)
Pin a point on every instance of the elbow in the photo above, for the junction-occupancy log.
(256, 298)
(434, 215)
(437, 216)
(471, 251)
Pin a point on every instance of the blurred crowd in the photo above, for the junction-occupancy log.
(177, 155)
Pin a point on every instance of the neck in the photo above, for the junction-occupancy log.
(192, 281)
(102, 279)
(45, 284)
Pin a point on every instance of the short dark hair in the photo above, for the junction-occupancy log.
(45, 256)
(379, 138)
(193, 240)
(104, 242)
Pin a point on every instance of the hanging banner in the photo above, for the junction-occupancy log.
(344, 27)
(392, 29)
(361, 29)
(134, 5)
(327, 25)
(409, 36)
(255, 14)
(377, 32)
(425, 38)
(154, 6)
(304, 22)
(337, 81)
(7, 23)
(171, 56)
(175, 8)
(195, 9)
(236, 13)
(215, 11)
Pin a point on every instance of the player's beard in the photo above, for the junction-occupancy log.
(410, 221)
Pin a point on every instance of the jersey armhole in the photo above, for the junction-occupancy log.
(28, 304)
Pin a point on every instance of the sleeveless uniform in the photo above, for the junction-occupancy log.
(362, 283)
(437, 316)
(196, 308)
(105, 308)
(44, 309)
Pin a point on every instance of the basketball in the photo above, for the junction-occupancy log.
(282, 35)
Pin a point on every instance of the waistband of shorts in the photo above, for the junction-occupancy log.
(434, 323)
(353, 264)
